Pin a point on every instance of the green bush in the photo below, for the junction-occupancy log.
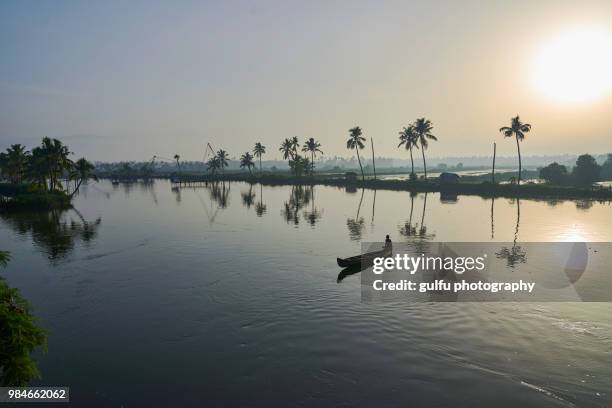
(19, 336)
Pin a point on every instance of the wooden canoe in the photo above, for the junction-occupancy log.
(366, 258)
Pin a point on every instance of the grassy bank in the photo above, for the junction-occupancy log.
(16, 197)
(485, 189)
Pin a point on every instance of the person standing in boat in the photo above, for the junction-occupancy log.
(388, 243)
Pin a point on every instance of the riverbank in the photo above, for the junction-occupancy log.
(484, 189)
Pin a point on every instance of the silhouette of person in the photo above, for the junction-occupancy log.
(387, 242)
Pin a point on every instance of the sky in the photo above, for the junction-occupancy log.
(126, 80)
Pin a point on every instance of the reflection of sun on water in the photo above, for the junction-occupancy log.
(573, 234)
(576, 66)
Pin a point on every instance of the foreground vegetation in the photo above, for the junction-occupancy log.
(19, 336)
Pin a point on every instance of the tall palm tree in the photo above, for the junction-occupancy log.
(52, 159)
(423, 128)
(246, 160)
(409, 138)
(178, 163)
(289, 150)
(259, 150)
(518, 130)
(312, 146)
(82, 170)
(295, 145)
(355, 141)
(223, 157)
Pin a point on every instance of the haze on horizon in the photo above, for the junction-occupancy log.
(128, 80)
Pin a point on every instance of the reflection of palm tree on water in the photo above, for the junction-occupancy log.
(298, 198)
(260, 207)
(515, 255)
(356, 225)
(409, 230)
(248, 198)
(314, 215)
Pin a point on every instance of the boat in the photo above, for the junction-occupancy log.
(362, 259)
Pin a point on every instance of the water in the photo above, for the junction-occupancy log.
(194, 297)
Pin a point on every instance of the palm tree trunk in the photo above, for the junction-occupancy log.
(424, 163)
(312, 163)
(493, 173)
(518, 147)
(260, 164)
(359, 160)
(411, 162)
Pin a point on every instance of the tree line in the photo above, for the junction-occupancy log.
(47, 167)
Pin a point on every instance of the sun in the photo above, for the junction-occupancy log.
(575, 66)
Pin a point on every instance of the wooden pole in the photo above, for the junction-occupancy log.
(373, 160)
(493, 173)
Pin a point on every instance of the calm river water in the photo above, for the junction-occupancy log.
(154, 296)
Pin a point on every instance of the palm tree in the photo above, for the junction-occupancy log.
(409, 139)
(423, 128)
(286, 149)
(312, 146)
(259, 150)
(178, 164)
(223, 157)
(51, 161)
(518, 130)
(295, 145)
(246, 160)
(13, 162)
(355, 141)
(213, 165)
(82, 170)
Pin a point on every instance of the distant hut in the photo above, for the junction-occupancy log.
(449, 178)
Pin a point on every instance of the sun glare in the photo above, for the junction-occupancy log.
(576, 66)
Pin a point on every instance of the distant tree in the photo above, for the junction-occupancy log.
(246, 160)
(259, 150)
(518, 130)
(223, 157)
(554, 173)
(606, 168)
(178, 163)
(423, 128)
(213, 165)
(586, 171)
(409, 139)
(82, 171)
(355, 141)
(13, 163)
(312, 146)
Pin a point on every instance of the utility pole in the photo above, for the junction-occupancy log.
(493, 173)
(373, 160)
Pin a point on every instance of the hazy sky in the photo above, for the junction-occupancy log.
(130, 79)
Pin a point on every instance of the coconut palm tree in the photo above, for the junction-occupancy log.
(178, 163)
(289, 150)
(213, 165)
(246, 160)
(312, 146)
(295, 145)
(52, 160)
(355, 141)
(409, 138)
(518, 130)
(13, 163)
(423, 128)
(223, 157)
(259, 150)
(82, 171)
